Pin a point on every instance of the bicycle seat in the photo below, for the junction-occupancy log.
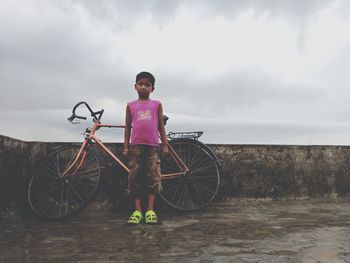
(165, 118)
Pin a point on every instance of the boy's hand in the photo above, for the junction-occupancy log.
(165, 150)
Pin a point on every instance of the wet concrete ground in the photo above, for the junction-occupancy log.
(230, 231)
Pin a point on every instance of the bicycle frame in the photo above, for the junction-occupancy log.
(92, 137)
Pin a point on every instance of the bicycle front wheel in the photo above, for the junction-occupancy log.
(198, 187)
(52, 195)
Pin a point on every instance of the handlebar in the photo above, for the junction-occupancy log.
(96, 115)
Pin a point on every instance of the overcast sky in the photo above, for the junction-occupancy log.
(243, 71)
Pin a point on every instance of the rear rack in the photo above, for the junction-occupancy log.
(189, 135)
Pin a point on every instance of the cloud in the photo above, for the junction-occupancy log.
(120, 15)
(253, 67)
(51, 53)
(133, 10)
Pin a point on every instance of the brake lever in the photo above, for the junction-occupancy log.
(71, 120)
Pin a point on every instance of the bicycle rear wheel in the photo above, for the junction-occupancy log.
(198, 187)
(52, 195)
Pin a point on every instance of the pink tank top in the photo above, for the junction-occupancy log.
(144, 122)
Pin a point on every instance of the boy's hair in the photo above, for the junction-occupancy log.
(146, 75)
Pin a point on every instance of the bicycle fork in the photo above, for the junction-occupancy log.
(82, 151)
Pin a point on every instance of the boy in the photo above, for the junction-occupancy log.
(145, 116)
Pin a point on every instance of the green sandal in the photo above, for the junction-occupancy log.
(151, 217)
(135, 218)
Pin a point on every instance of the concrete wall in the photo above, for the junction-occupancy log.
(250, 171)
(284, 171)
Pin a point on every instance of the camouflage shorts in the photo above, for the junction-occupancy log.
(144, 174)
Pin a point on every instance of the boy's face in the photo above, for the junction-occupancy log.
(144, 88)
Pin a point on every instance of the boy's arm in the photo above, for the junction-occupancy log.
(127, 130)
(161, 130)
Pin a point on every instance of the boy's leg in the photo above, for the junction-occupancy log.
(134, 183)
(153, 183)
(138, 204)
(150, 216)
(151, 198)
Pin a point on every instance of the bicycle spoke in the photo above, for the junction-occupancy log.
(75, 192)
(58, 165)
(191, 199)
(200, 197)
(46, 192)
(212, 175)
(188, 154)
(177, 189)
(61, 199)
(51, 165)
(169, 190)
(204, 188)
(195, 158)
(179, 199)
(187, 196)
(89, 161)
(43, 206)
(168, 169)
(181, 196)
(45, 212)
(74, 197)
(169, 165)
(190, 159)
(81, 173)
(199, 162)
(82, 177)
(50, 175)
(67, 192)
(204, 166)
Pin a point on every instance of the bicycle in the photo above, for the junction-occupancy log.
(65, 181)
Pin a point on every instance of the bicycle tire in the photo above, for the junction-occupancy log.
(198, 187)
(52, 196)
